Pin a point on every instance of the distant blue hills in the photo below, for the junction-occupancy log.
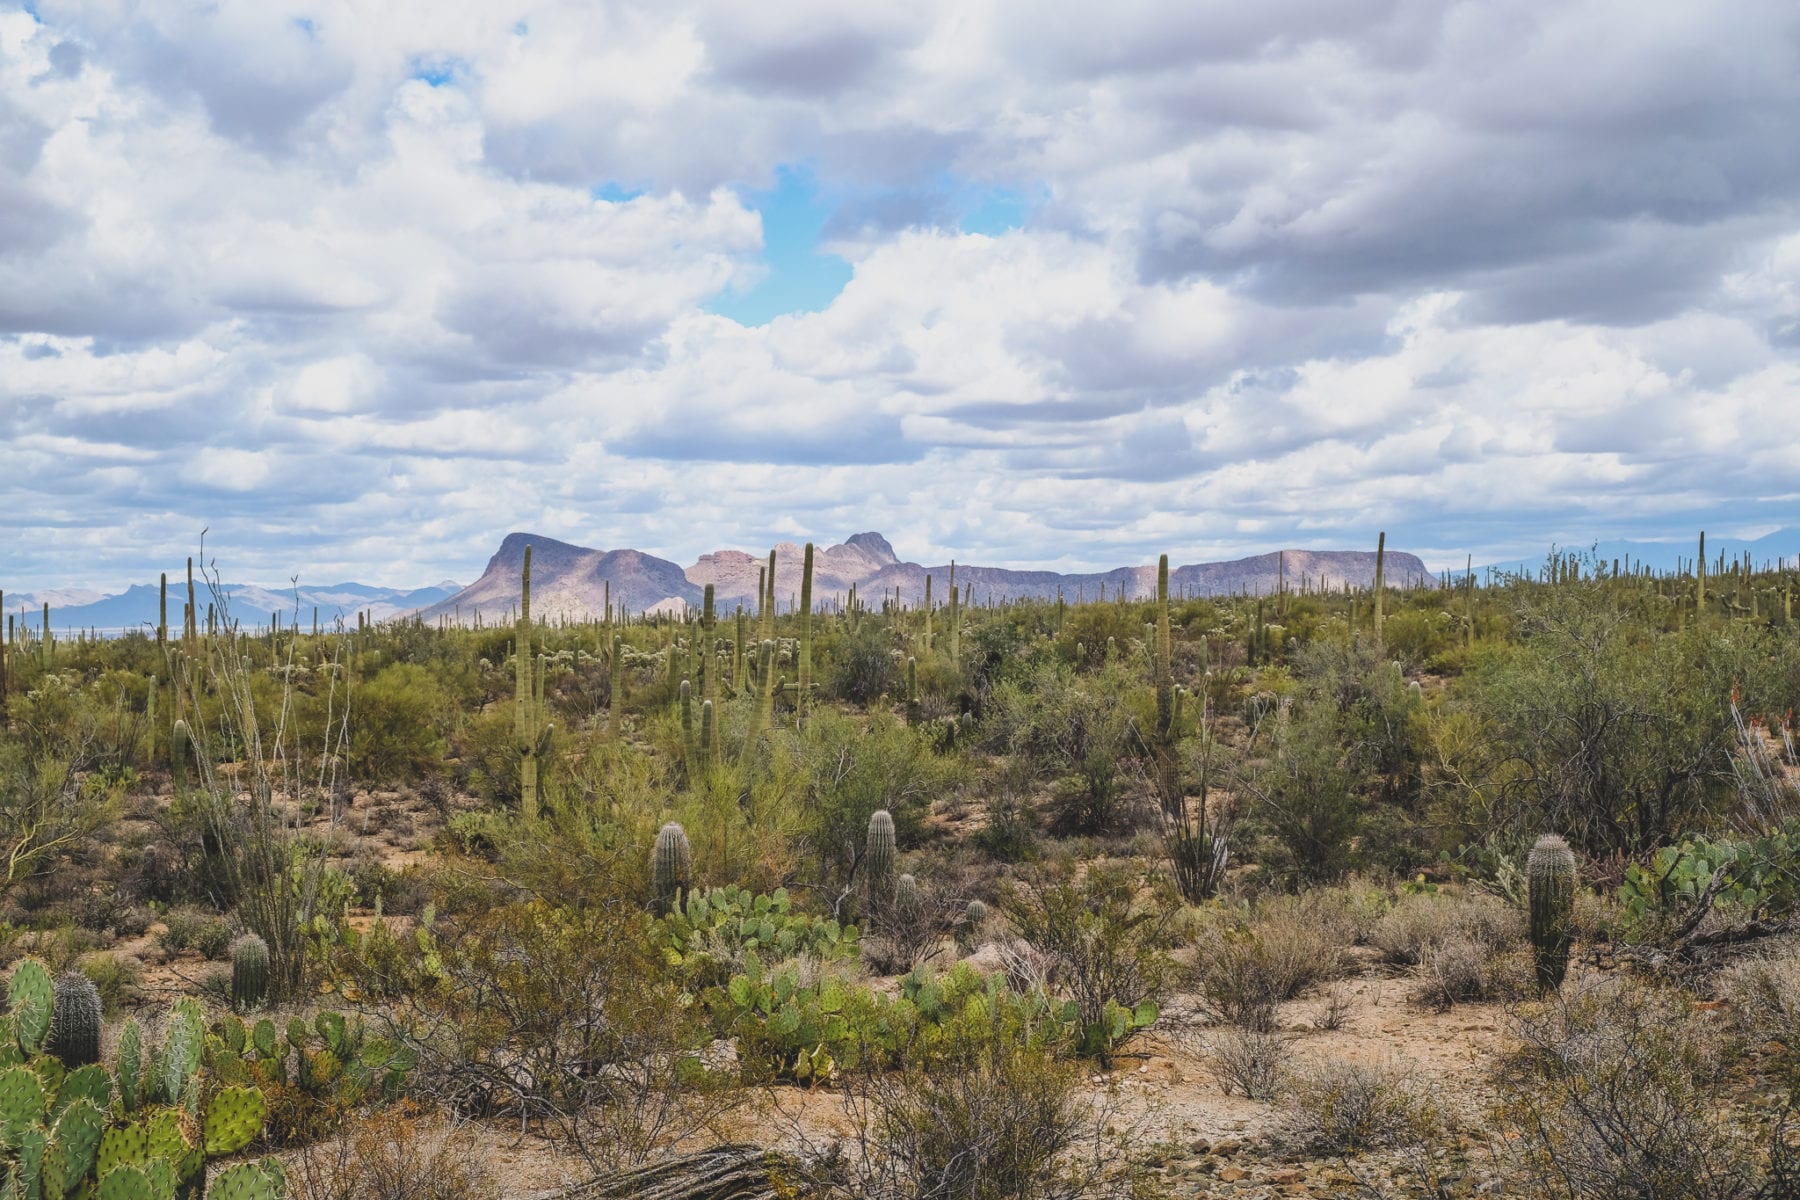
(250, 604)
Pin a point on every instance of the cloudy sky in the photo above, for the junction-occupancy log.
(361, 287)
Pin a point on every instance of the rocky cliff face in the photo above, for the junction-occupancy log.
(572, 581)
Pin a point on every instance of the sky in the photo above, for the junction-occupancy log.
(357, 289)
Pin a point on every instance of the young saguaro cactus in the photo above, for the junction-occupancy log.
(1550, 873)
(75, 1012)
(671, 865)
(249, 972)
(878, 852)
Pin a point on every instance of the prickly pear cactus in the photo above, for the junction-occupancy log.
(30, 999)
(131, 1064)
(75, 1020)
(233, 1119)
(249, 1181)
(182, 1050)
(249, 972)
(22, 1103)
(1550, 874)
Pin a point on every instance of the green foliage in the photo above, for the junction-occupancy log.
(713, 932)
(402, 715)
(1741, 880)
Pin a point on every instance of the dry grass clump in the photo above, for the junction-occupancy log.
(1251, 1062)
(1765, 992)
(1337, 1107)
(1417, 923)
(389, 1155)
(1243, 970)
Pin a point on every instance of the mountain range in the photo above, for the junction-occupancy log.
(251, 604)
(575, 581)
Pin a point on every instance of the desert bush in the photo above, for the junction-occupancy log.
(119, 978)
(1244, 969)
(1461, 970)
(1076, 730)
(999, 1118)
(1598, 727)
(392, 1155)
(1765, 995)
(1338, 1107)
(1613, 1095)
(1420, 921)
(1108, 951)
(1254, 1062)
(397, 723)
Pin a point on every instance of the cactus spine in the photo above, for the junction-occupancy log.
(671, 865)
(75, 1021)
(250, 972)
(878, 851)
(1550, 873)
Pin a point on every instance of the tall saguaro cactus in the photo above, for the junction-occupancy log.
(709, 648)
(528, 716)
(804, 695)
(1380, 578)
(1550, 875)
(4, 649)
(1168, 781)
(1700, 577)
(615, 684)
(955, 620)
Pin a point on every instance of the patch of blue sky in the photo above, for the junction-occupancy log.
(801, 275)
(614, 192)
(798, 276)
(438, 72)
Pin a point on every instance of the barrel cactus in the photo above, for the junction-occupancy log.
(671, 865)
(879, 852)
(249, 972)
(1550, 872)
(75, 1020)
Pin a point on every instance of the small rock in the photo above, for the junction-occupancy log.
(1231, 1174)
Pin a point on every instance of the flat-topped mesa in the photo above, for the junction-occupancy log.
(570, 580)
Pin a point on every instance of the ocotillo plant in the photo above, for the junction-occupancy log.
(75, 1021)
(249, 972)
(1550, 874)
(671, 866)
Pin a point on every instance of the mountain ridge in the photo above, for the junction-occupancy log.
(577, 581)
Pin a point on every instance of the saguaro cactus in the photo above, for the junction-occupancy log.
(804, 694)
(527, 720)
(1550, 873)
(75, 1020)
(616, 684)
(1380, 578)
(249, 972)
(671, 865)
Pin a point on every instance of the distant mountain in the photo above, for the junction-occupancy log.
(573, 581)
(1782, 545)
(250, 604)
